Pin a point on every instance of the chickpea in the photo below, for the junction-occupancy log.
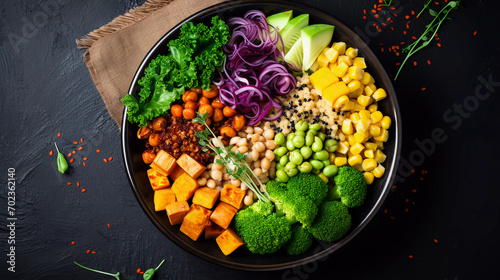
(244, 187)
(258, 130)
(227, 131)
(209, 121)
(204, 100)
(228, 112)
(235, 182)
(249, 130)
(143, 132)
(242, 149)
(238, 122)
(148, 156)
(176, 111)
(270, 155)
(206, 108)
(216, 103)
(190, 96)
(159, 123)
(190, 105)
(256, 164)
(212, 93)
(271, 145)
(255, 155)
(226, 177)
(219, 188)
(248, 200)
(211, 183)
(154, 139)
(218, 115)
(216, 175)
(257, 171)
(234, 141)
(254, 138)
(259, 147)
(205, 174)
(268, 134)
(202, 181)
(265, 164)
(262, 139)
(188, 114)
(242, 134)
(242, 142)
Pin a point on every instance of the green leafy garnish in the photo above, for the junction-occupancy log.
(148, 275)
(235, 163)
(116, 275)
(62, 164)
(191, 61)
(430, 31)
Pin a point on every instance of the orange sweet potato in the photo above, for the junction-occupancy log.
(206, 197)
(162, 198)
(212, 230)
(229, 241)
(164, 163)
(157, 180)
(232, 195)
(184, 187)
(176, 173)
(195, 221)
(223, 214)
(190, 166)
(177, 211)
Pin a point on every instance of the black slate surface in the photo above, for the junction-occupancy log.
(46, 89)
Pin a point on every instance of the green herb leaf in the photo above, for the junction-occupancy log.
(204, 150)
(218, 161)
(432, 12)
(62, 164)
(148, 275)
(202, 143)
(116, 275)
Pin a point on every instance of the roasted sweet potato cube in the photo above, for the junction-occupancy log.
(177, 211)
(206, 197)
(229, 241)
(176, 173)
(157, 180)
(164, 163)
(162, 198)
(195, 221)
(190, 166)
(184, 187)
(232, 195)
(223, 214)
(212, 230)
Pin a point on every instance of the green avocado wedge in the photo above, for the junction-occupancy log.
(315, 38)
(291, 32)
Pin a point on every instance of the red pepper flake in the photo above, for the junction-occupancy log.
(93, 252)
(407, 17)
(74, 152)
(59, 134)
(97, 151)
(85, 158)
(392, 28)
(75, 143)
(138, 270)
(81, 140)
(410, 256)
(364, 17)
(424, 88)
(394, 186)
(105, 160)
(383, 24)
(414, 63)
(374, 11)
(88, 251)
(398, 63)
(429, 62)
(109, 225)
(392, 218)
(407, 210)
(142, 272)
(68, 183)
(388, 19)
(51, 153)
(83, 190)
(407, 200)
(110, 158)
(408, 24)
(404, 32)
(392, 8)
(71, 160)
(414, 190)
(475, 33)
(80, 148)
(69, 155)
(364, 11)
(73, 242)
(438, 44)
(395, 14)
(84, 164)
(381, 50)
(412, 12)
(77, 184)
(385, 211)
(402, 43)
(435, 241)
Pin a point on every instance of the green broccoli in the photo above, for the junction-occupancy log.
(308, 185)
(332, 222)
(350, 187)
(300, 241)
(263, 231)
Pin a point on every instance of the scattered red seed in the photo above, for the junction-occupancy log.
(414, 38)
(412, 12)
(83, 190)
(392, 218)
(74, 152)
(77, 184)
(429, 62)
(84, 164)
(81, 140)
(408, 24)
(414, 63)
(438, 44)
(407, 200)
(68, 183)
(406, 210)
(73, 242)
(407, 17)
(381, 49)
(398, 63)
(51, 153)
(85, 158)
(475, 33)
(138, 270)
(374, 11)
(414, 190)
(110, 158)
(435, 241)
(59, 134)
(142, 272)
(385, 211)
(376, 16)
(437, 3)
(71, 160)
(424, 88)
(69, 155)
(105, 160)
(394, 186)
(364, 17)
(109, 225)
(75, 143)
(410, 256)
(404, 32)
(97, 151)
(364, 11)
(421, 179)
(93, 252)
(80, 148)
(88, 251)
(397, 53)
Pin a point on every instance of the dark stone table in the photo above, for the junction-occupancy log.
(440, 220)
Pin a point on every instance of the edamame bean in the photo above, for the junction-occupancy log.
(300, 133)
(330, 170)
(316, 171)
(292, 172)
(290, 136)
(284, 160)
(301, 126)
(306, 152)
(317, 145)
(316, 164)
(282, 176)
(322, 155)
(313, 132)
(331, 158)
(298, 141)
(309, 139)
(315, 126)
(279, 166)
(281, 151)
(331, 145)
(279, 139)
(289, 145)
(296, 158)
(321, 136)
(290, 166)
(305, 167)
(326, 162)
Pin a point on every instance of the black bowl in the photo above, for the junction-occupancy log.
(132, 148)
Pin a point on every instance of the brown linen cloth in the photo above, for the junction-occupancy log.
(115, 51)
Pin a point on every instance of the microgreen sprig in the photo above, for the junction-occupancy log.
(430, 31)
(116, 275)
(235, 163)
(387, 3)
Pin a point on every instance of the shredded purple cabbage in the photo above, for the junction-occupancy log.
(252, 76)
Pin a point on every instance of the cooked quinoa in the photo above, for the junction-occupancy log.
(305, 103)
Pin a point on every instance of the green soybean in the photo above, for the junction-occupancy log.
(296, 158)
(309, 139)
(317, 145)
(306, 152)
(313, 132)
(279, 138)
(305, 167)
(292, 172)
(300, 133)
(316, 164)
(281, 151)
(279, 166)
(290, 165)
(298, 141)
(282, 176)
(301, 126)
(316, 171)
(326, 162)
(321, 136)
(322, 155)
(331, 145)
(330, 170)
(315, 126)
(290, 136)
(284, 160)
(289, 145)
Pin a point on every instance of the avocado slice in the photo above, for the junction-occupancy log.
(279, 20)
(291, 32)
(315, 38)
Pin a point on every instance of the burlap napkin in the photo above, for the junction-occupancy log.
(115, 51)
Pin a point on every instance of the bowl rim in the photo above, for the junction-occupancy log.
(396, 123)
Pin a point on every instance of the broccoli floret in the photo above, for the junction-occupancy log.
(300, 241)
(350, 187)
(262, 231)
(308, 185)
(332, 222)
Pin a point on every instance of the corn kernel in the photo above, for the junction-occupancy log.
(341, 101)
(351, 52)
(356, 159)
(379, 171)
(343, 147)
(380, 157)
(360, 62)
(358, 107)
(369, 164)
(376, 116)
(351, 140)
(331, 158)
(370, 89)
(369, 154)
(379, 94)
(355, 118)
(356, 149)
(340, 47)
(341, 69)
(332, 65)
(358, 167)
(363, 126)
(344, 58)
(323, 177)
(371, 146)
(348, 106)
(367, 78)
(374, 130)
(314, 66)
(372, 108)
(360, 138)
(383, 136)
(369, 177)
(365, 115)
(386, 122)
(355, 94)
(346, 79)
(347, 127)
(340, 161)
(356, 73)
(353, 85)
(380, 144)
(364, 100)
(332, 55)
